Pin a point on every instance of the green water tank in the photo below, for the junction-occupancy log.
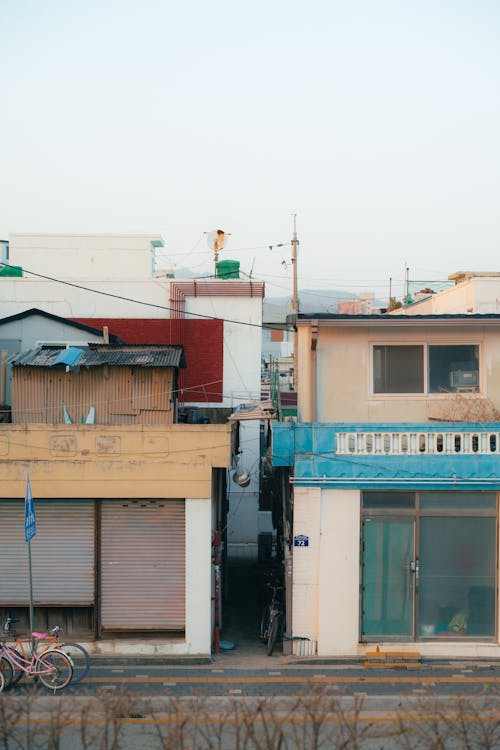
(228, 269)
(11, 271)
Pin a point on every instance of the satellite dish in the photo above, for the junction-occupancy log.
(217, 240)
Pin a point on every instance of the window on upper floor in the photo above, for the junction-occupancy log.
(398, 369)
(436, 368)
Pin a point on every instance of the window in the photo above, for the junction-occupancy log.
(444, 368)
(398, 369)
(453, 369)
(429, 564)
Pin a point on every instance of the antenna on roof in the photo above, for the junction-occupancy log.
(217, 240)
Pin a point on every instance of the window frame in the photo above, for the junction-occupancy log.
(426, 393)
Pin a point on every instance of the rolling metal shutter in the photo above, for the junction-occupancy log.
(143, 565)
(62, 553)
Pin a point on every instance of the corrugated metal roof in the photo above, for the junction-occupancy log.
(160, 356)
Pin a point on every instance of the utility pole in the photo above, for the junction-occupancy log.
(295, 298)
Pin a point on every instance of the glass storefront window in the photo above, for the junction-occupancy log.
(429, 564)
(457, 559)
(389, 500)
(458, 501)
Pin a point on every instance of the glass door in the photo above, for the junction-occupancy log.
(389, 567)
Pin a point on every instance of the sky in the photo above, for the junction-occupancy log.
(376, 122)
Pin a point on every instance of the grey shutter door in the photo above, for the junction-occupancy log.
(143, 568)
(62, 553)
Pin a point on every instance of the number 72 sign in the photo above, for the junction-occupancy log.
(301, 540)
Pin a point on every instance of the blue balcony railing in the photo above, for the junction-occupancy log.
(390, 454)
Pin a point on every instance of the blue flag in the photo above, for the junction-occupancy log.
(29, 514)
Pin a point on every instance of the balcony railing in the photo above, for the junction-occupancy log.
(395, 443)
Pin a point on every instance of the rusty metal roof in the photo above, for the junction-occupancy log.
(114, 356)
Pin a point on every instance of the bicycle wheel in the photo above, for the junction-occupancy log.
(264, 623)
(273, 634)
(16, 672)
(7, 672)
(54, 669)
(2, 682)
(79, 658)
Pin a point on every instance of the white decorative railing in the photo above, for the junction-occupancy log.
(417, 443)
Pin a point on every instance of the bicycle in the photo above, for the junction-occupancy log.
(53, 667)
(79, 656)
(273, 620)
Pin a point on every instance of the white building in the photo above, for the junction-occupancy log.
(116, 278)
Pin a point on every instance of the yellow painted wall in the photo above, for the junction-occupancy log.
(70, 461)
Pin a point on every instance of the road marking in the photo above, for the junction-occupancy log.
(403, 680)
(274, 674)
(235, 692)
(117, 670)
(361, 719)
(217, 670)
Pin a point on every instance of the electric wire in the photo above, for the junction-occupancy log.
(145, 304)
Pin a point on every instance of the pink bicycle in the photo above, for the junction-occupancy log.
(52, 666)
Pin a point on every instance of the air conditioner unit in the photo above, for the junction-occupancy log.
(464, 378)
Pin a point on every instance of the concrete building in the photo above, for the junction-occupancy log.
(473, 293)
(396, 481)
(126, 504)
(115, 281)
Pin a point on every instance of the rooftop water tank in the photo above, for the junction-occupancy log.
(11, 270)
(228, 269)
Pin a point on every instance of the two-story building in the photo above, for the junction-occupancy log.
(127, 500)
(395, 507)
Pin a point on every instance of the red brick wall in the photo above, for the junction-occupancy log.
(202, 340)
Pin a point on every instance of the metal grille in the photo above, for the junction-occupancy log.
(62, 553)
(143, 565)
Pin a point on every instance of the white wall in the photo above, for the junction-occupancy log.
(85, 256)
(242, 344)
(476, 296)
(326, 573)
(198, 575)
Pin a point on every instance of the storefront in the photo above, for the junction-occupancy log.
(143, 566)
(429, 565)
(63, 563)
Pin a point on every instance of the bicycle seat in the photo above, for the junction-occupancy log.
(40, 636)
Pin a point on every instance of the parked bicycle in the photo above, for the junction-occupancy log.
(52, 666)
(272, 623)
(46, 641)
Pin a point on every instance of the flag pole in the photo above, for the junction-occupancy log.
(32, 612)
(29, 533)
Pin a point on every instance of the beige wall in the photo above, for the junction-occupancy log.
(103, 461)
(344, 377)
(326, 582)
(326, 573)
(198, 575)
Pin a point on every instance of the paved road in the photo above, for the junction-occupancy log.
(289, 679)
(240, 705)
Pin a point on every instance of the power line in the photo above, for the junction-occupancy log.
(140, 302)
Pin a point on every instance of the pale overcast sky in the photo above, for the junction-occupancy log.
(377, 121)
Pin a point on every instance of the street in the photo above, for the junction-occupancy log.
(225, 704)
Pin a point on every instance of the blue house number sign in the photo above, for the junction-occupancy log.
(301, 540)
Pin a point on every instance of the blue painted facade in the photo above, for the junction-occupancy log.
(309, 449)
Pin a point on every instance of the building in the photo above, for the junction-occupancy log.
(31, 328)
(127, 500)
(470, 292)
(117, 282)
(396, 479)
